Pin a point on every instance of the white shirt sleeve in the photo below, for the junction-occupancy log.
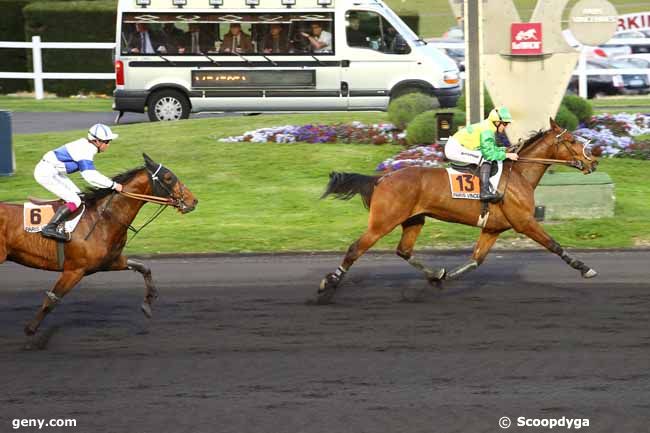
(97, 179)
(83, 152)
(326, 38)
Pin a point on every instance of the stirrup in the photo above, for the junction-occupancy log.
(58, 234)
(493, 197)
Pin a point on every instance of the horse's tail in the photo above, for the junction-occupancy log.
(346, 185)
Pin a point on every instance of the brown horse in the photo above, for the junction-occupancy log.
(99, 237)
(407, 196)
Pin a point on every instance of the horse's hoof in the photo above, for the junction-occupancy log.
(146, 309)
(436, 276)
(590, 274)
(30, 329)
(326, 291)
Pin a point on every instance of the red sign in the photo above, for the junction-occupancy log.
(526, 38)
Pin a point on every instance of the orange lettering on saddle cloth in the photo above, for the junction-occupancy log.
(36, 216)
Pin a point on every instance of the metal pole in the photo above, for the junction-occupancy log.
(473, 48)
(37, 63)
(582, 71)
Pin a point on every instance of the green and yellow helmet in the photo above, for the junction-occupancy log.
(500, 114)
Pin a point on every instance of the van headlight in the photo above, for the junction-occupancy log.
(451, 78)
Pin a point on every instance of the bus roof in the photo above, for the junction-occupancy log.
(250, 5)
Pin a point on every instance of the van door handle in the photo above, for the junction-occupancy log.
(345, 63)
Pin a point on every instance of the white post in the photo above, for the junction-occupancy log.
(582, 73)
(37, 62)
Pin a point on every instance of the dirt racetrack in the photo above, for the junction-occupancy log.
(233, 347)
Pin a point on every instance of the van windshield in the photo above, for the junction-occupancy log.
(227, 34)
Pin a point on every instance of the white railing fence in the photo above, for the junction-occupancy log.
(36, 45)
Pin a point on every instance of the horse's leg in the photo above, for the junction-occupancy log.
(411, 229)
(65, 283)
(485, 241)
(534, 230)
(331, 281)
(122, 264)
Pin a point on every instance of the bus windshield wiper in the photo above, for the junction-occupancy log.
(166, 59)
(269, 60)
(242, 57)
(214, 62)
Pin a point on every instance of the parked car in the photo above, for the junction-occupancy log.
(640, 35)
(641, 60)
(624, 84)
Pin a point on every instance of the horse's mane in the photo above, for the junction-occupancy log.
(93, 195)
(532, 138)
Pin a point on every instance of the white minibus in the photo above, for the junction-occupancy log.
(176, 57)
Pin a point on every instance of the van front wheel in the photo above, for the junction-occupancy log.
(168, 105)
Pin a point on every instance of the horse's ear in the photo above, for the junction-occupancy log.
(554, 125)
(148, 160)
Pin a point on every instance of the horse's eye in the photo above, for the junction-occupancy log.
(167, 177)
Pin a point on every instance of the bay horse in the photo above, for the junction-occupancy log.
(405, 197)
(100, 236)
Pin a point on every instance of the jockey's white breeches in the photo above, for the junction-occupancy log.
(52, 179)
(454, 151)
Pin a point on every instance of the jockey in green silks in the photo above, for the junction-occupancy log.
(477, 144)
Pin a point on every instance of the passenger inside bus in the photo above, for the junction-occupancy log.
(145, 41)
(320, 40)
(198, 40)
(236, 41)
(174, 37)
(355, 36)
(276, 41)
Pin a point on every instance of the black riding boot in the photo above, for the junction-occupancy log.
(51, 229)
(486, 189)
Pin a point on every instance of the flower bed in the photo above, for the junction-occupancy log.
(614, 135)
(355, 132)
(424, 156)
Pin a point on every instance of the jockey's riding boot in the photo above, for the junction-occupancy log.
(51, 230)
(486, 190)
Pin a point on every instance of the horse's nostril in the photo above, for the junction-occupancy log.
(196, 202)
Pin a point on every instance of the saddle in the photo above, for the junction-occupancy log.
(43, 202)
(472, 168)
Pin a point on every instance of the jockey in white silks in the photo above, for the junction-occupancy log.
(51, 172)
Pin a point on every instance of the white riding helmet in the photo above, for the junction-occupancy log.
(101, 132)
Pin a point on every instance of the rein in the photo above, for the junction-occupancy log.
(164, 201)
(571, 163)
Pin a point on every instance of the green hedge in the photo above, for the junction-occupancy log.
(74, 21)
(578, 106)
(411, 19)
(422, 130)
(12, 28)
(566, 119)
(404, 109)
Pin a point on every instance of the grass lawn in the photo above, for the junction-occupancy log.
(25, 103)
(264, 197)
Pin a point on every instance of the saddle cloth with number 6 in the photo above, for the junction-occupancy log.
(36, 216)
(468, 186)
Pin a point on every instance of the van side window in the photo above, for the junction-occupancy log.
(216, 34)
(370, 30)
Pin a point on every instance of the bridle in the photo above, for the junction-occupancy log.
(164, 202)
(156, 186)
(575, 162)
